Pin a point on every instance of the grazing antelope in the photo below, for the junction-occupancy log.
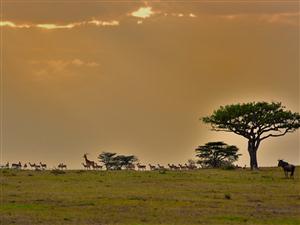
(141, 167)
(44, 166)
(87, 167)
(191, 166)
(16, 165)
(170, 166)
(88, 162)
(182, 167)
(37, 167)
(62, 166)
(96, 166)
(175, 167)
(152, 167)
(25, 166)
(32, 165)
(6, 166)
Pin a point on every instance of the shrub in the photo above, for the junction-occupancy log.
(57, 171)
(227, 196)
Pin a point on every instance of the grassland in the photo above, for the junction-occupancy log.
(205, 196)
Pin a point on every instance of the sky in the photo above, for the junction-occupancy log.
(135, 77)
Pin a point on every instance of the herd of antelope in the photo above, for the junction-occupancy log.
(88, 165)
(29, 165)
(92, 165)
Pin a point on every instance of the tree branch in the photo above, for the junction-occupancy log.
(276, 135)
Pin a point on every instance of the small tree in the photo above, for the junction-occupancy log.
(107, 158)
(217, 154)
(125, 160)
(112, 161)
(255, 121)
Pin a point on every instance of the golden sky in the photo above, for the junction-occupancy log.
(134, 77)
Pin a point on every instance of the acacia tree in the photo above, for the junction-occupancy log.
(256, 121)
(217, 154)
(112, 161)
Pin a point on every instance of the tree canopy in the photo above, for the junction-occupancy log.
(217, 154)
(255, 121)
(112, 161)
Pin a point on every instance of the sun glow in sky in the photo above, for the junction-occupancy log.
(135, 79)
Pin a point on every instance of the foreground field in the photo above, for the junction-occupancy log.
(120, 197)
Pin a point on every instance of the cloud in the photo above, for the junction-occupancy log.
(286, 18)
(13, 25)
(104, 23)
(52, 26)
(191, 15)
(143, 12)
(291, 18)
(276, 18)
(47, 69)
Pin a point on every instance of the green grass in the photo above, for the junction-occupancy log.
(208, 196)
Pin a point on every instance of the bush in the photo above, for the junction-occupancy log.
(57, 171)
(228, 167)
(227, 196)
(162, 171)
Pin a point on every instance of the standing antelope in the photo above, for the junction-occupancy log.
(160, 167)
(175, 167)
(25, 166)
(130, 167)
(191, 166)
(171, 166)
(6, 166)
(62, 166)
(152, 167)
(37, 167)
(96, 166)
(32, 165)
(182, 167)
(141, 167)
(16, 165)
(44, 166)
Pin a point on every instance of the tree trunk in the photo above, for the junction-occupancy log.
(252, 149)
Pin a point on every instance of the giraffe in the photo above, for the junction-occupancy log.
(89, 163)
(86, 166)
